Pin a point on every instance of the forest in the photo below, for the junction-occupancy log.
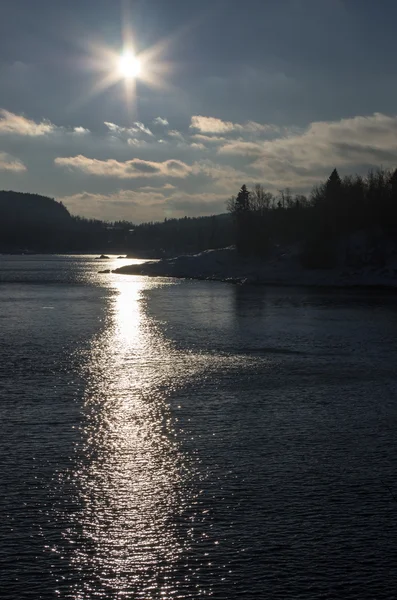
(33, 224)
(335, 209)
(256, 220)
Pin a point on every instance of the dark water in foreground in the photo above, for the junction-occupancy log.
(174, 439)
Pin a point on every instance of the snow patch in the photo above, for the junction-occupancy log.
(281, 268)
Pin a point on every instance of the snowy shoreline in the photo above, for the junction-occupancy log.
(227, 266)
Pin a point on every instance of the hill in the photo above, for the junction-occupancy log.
(18, 207)
(30, 221)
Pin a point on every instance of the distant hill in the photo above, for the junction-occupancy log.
(17, 207)
(185, 235)
(30, 221)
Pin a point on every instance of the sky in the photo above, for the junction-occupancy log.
(277, 92)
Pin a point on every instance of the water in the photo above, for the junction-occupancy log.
(180, 439)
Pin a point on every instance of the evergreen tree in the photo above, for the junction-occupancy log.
(240, 209)
(243, 200)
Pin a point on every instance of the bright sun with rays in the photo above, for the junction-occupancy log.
(129, 65)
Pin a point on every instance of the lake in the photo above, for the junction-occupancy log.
(173, 439)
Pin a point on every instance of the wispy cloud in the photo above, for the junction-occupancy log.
(161, 121)
(135, 168)
(20, 125)
(145, 204)
(211, 157)
(10, 163)
(125, 170)
(241, 148)
(115, 128)
(133, 205)
(137, 142)
(224, 176)
(208, 139)
(141, 127)
(176, 135)
(137, 127)
(208, 125)
(195, 204)
(153, 188)
(302, 159)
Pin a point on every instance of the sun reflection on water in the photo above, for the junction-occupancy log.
(131, 475)
(127, 316)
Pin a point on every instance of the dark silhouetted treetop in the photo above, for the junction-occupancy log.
(243, 200)
(334, 179)
(336, 209)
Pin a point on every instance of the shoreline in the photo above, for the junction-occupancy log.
(226, 266)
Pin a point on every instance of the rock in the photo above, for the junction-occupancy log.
(102, 257)
(105, 271)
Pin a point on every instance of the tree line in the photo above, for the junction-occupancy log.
(34, 223)
(333, 211)
(256, 222)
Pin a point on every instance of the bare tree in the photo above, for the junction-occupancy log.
(260, 200)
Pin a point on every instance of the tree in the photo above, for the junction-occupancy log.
(334, 181)
(392, 207)
(239, 207)
(243, 200)
(260, 200)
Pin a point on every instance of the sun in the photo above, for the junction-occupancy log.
(123, 67)
(129, 65)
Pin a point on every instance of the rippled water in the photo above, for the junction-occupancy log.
(181, 439)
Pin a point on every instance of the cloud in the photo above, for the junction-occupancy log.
(81, 131)
(125, 170)
(205, 203)
(212, 157)
(176, 135)
(114, 128)
(152, 188)
(223, 175)
(20, 125)
(302, 159)
(211, 125)
(160, 121)
(136, 142)
(217, 126)
(208, 139)
(9, 163)
(141, 127)
(136, 128)
(132, 205)
(143, 205)
(241, 148)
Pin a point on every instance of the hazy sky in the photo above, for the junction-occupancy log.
(272, 91)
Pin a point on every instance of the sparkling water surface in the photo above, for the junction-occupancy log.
(165, 439)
